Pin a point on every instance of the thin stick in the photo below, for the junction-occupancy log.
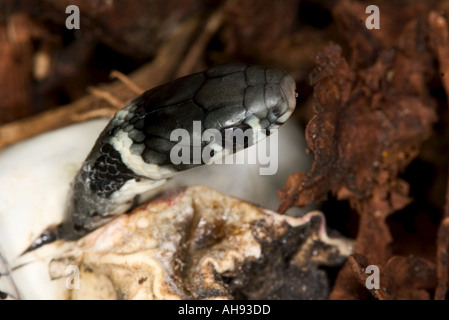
(358, 264)
(108, 96)
(197, 50)
(127, 82)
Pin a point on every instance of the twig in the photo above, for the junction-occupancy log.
(198, 48)
(126, 81)
(106, 95)
(358, 264)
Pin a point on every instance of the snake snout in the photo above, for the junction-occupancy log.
(280, 97)
(287, 104)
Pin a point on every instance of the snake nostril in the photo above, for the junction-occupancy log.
(277, 111)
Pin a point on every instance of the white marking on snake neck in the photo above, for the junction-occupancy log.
(122, 143)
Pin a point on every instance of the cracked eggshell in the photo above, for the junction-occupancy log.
(35, 177)
(199, 244)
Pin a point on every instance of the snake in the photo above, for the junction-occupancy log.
(132, 153)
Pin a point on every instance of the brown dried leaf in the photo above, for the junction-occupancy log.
(364, 131)
(369, 125)
(366, 44)
(409, 278)
(358, 264)
(403, 278)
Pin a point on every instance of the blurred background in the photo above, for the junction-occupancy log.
(46, 67)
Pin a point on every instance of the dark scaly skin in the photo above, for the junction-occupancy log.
(224, 97)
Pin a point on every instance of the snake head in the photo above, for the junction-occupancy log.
(249, 99)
